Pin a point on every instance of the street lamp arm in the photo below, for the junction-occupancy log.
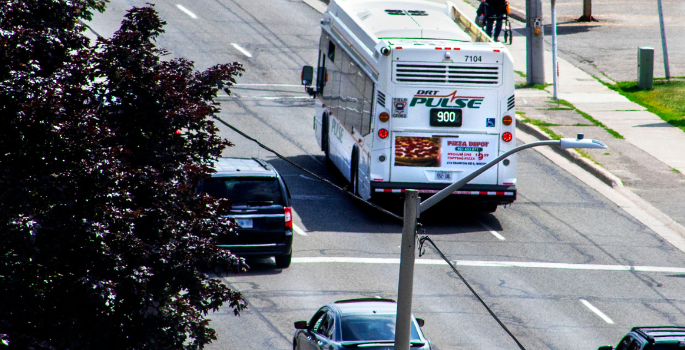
(434, 199)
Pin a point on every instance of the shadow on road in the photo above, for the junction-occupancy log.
(324, 208)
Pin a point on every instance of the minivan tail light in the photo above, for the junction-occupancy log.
(288, 216)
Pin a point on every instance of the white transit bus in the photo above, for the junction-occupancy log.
(413, 95)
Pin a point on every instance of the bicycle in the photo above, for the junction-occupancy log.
(506, 24)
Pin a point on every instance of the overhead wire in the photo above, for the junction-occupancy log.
(383, 210)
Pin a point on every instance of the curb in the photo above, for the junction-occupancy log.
(572, 155)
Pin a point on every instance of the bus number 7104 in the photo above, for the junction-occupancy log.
(472, 59)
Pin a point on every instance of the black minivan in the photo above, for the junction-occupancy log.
(261, 207)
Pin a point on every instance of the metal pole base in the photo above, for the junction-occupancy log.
(586, 19)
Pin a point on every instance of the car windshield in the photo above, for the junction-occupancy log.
(245, 190)
(372, 327)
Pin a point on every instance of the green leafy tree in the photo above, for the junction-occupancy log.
(103, 240)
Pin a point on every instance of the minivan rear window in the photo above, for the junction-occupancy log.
(245, 190)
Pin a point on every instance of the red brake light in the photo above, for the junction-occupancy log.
(383, 133)
(507, 136)
(288, 217)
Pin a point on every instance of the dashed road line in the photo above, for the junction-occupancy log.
(187, 12)
(597, 311)
(244, 52)
(494, 233)
(299, 231)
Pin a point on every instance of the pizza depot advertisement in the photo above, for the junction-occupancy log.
(458, 151)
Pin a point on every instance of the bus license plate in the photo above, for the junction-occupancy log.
(443, 175)
(244, 223)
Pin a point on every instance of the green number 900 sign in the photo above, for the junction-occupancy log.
(446, 117)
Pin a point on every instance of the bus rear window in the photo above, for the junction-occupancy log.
(245, 190)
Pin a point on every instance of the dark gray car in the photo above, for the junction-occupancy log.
(261, 207)
(356, 323)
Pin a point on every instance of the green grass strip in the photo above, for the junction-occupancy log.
(666, 99)
(594, 121)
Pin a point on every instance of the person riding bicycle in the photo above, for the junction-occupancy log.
(493, 12)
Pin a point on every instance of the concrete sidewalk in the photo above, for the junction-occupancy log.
(639, 127)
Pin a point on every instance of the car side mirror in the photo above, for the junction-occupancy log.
(307, 75)
(420, 321)
(605, 347)
(301, 325)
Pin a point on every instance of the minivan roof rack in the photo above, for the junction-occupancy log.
(362, 300)
(264, 164)
(651, 337)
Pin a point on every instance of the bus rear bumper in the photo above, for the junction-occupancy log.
(486, 194)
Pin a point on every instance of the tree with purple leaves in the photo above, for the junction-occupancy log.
(104, 244)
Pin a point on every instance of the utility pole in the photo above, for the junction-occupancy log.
(535, 61)
(405, 290)
(412, 211)
(663, 40)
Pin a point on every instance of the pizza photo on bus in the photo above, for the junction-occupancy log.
(417, 151)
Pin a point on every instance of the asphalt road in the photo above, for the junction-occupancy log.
(568, 242)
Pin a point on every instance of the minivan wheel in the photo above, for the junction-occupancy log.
(283, 261)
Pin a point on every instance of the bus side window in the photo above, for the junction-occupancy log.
(367, 108)
(331, 51)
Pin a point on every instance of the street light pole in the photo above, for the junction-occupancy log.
(413, 210)
(405, 289)
(555, 65)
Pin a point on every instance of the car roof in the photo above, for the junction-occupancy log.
(365, 307)
(234, 167)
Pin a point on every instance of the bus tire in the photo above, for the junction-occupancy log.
(325, 143)
(354, 171)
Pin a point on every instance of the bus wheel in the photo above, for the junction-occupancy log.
(354, 171)
(325, 144)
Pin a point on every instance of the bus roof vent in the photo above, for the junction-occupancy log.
(445, 74)
(417, 13)
(381, 98)
(395, 12)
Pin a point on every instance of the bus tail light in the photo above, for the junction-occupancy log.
(383, 133)
(507, 136)
(384, 117)
(507, 120)
(288, 216)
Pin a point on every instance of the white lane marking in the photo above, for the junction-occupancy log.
(299, 231)
(286, 85)
(280, 97)
(237, 47)
(494, 233)
(475, 263)
(192, 15)
(597, 311)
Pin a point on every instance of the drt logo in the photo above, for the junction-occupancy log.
(430, 98)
